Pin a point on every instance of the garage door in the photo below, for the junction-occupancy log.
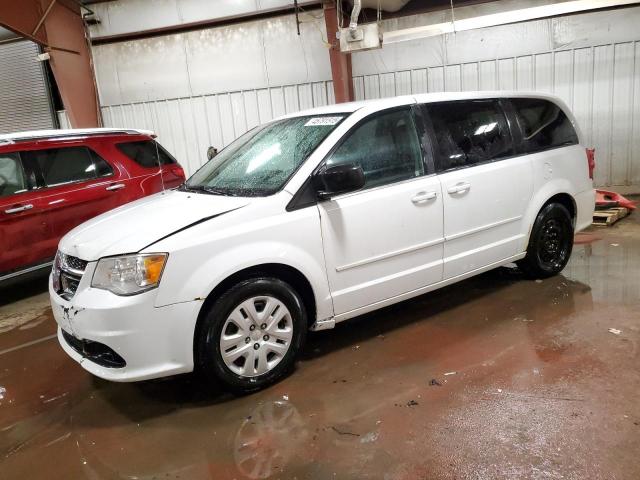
(25, 102)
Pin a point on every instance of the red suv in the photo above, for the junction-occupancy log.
(52, 181)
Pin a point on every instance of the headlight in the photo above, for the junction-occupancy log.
(55, 271)
(130, 274)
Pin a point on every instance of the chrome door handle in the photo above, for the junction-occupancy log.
(115, 186)
(422, 197)
(459, 188)
(19, 209)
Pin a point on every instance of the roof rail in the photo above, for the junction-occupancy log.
(79, 132)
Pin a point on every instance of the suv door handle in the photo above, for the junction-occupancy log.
(19, 209)
(459, 188)
(115, 186)
(422, 197)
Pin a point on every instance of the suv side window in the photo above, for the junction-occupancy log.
(385, 146)
(469, 132)
(544, 125)
(68, 164)
(12, 178)
(146, 153)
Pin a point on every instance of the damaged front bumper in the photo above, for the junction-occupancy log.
(125, 338)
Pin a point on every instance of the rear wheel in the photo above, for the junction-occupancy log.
(550, 243)
(252, 334)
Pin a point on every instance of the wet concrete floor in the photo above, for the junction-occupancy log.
(495, 377)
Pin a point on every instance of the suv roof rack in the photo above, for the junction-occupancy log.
(74, 132)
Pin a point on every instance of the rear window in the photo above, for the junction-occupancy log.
(544, 125)
(146, 153)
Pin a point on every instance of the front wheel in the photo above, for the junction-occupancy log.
(550, 243)
(252, 334)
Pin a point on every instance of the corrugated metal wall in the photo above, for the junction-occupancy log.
(24, 97)
(187, 126)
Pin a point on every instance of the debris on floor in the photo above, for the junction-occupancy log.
(606, 199)
(412, 403)
(2, 392)
(370, 437)
(615, 331)
(611, 207)
(450, 373)
(434, 382)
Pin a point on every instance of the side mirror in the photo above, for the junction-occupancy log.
(338, 179)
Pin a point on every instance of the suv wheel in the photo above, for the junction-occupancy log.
(252, 334)
(550, 243)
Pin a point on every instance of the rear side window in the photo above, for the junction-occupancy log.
(386, 147)
(468, 133)
(146, 153)
(12, 179)
(544, 125)
(69, 164)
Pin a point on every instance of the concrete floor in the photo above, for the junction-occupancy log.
(539, 389)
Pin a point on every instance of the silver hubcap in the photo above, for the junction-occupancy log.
(256, 336)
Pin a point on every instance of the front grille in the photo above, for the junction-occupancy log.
(70, 271)
(74, 263)
(97, 352)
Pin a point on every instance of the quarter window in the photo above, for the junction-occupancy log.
(544, 125)
(66, 165)
(146, 153)
(12, 178)
(386, 147)
(468, 133)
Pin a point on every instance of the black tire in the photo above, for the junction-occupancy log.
(550, 243)
(209, 361)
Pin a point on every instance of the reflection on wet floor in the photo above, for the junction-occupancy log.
(495, 377)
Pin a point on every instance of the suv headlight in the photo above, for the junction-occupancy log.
(55, 271)
(129, 274)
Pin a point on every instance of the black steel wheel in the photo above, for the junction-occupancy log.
(550, 243)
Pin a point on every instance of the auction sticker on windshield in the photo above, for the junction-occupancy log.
(316, 121)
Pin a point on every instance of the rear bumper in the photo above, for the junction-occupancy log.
(103, 328)
(585, 204)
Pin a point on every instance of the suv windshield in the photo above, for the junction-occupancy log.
(261, 161)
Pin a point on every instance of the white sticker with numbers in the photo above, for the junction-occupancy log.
(318, 121)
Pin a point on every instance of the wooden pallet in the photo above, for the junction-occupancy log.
(609, 216)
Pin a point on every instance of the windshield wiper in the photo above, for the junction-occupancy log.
(209, 190)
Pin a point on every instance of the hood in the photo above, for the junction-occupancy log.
(132, 227)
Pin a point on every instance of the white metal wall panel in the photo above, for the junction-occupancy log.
(25, 102)
(245, 56)
(187, 126)
(125, 16)
(569, 56)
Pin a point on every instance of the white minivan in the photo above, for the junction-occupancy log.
(315, 218)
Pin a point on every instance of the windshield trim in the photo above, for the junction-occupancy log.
(266, 192)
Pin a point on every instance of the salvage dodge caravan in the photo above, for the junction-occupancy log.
(315, 218)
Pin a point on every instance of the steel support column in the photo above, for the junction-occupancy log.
(59, 28)
(340, 62)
